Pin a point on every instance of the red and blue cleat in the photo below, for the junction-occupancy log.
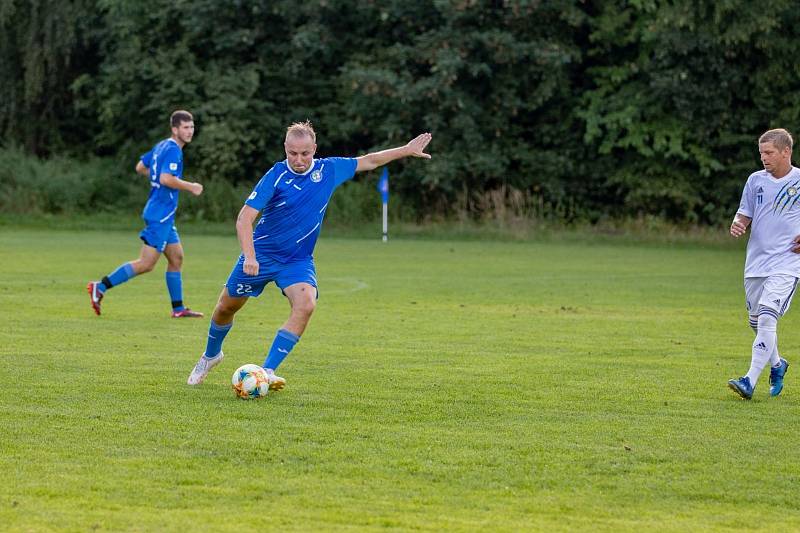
(95, 295)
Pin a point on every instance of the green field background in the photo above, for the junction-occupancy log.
(441, 385)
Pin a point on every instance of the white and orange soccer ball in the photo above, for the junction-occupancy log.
(250, 382)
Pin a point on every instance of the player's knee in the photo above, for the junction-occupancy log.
(226, 309)
(753, 322)
(175, 259)
(305, 306)
(146, 266)
(767, 320)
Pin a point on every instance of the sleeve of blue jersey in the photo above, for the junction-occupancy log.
(170, 161)
(147, 158)
(263, 191)
(344, 168)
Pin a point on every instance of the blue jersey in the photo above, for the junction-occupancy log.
(166, 157)
(293, 205)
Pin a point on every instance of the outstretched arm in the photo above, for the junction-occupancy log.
(414, 148)
(739, 225)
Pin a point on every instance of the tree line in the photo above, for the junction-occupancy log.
(600, 109)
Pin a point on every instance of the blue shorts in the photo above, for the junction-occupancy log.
(159, 235)
(283, 274)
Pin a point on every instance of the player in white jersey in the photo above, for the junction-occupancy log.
(771, 207)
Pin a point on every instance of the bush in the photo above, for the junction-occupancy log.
(63, 185)
(68, 186)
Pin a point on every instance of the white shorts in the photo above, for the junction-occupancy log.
(774, 292)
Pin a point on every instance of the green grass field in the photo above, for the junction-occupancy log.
(441, 385)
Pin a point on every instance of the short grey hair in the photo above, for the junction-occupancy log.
(780, 138)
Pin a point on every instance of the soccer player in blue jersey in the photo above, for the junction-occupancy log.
(770, 206)
(164, 166)
(291, 197)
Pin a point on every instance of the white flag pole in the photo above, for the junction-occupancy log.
(385, 221)
(383, 187)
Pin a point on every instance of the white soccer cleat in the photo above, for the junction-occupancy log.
(276, 383)
(202, 368)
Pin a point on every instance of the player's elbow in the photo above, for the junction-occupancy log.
(240, 225)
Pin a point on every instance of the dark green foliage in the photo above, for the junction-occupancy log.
(594, 109)
(677, 99)
(65, 185)
(44, 45)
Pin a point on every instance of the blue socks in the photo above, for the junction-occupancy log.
(125, 272)
(118, 277)
(281, 346)
(175, 288)
(216, 334)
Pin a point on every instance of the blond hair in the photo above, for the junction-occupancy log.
(780, 138)
(301, 129)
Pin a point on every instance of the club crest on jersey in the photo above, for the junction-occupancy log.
(791, 191)
(316, 176)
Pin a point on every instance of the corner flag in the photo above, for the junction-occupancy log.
(383, 188)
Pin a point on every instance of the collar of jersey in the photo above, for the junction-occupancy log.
(306, 173)
(781, 180)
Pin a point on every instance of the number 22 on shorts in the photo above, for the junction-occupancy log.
(243, 288)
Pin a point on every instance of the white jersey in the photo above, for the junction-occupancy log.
(774, 206)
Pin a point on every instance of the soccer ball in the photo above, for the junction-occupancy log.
(250, 382)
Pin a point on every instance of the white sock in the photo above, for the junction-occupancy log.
(763, 346)
(775, 358)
